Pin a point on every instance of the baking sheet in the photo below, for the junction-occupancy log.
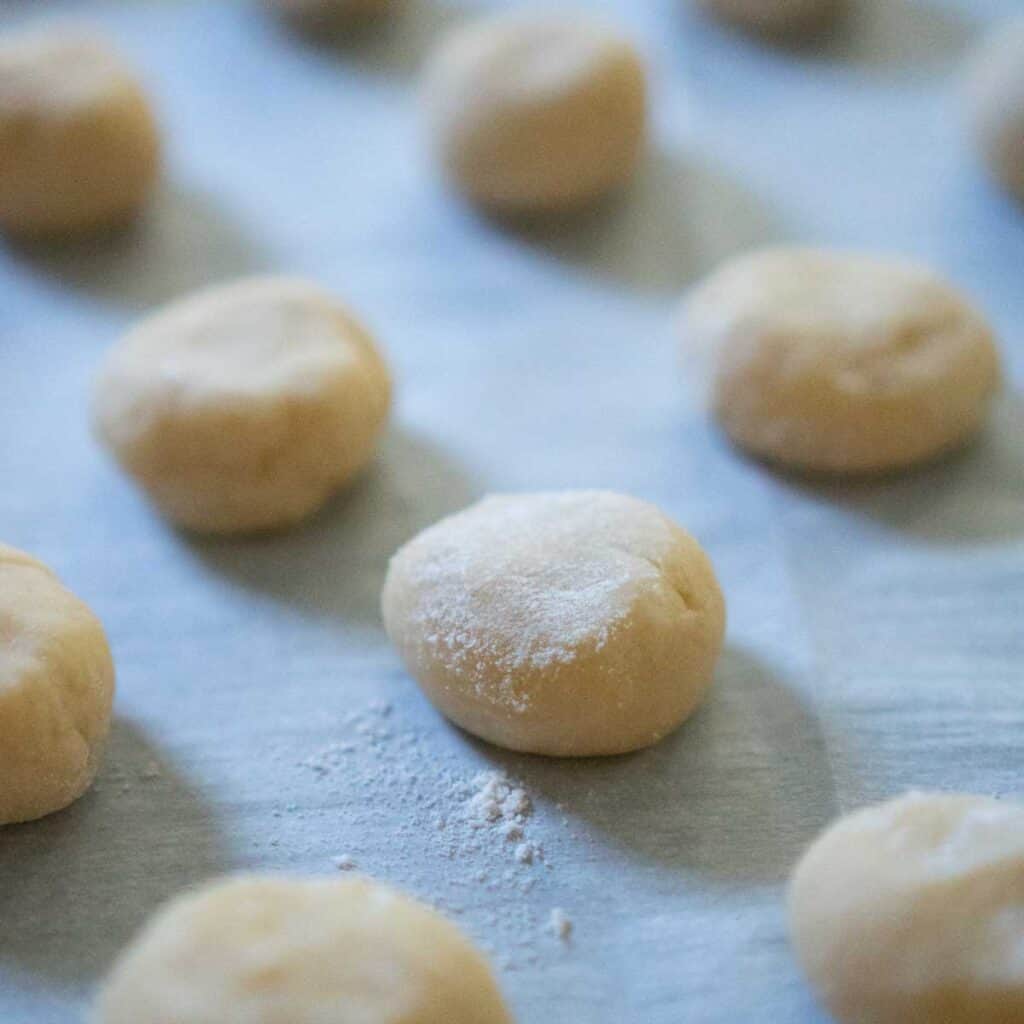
(875, 639)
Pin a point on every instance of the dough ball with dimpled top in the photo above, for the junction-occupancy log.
(56, 691)
(246, 406)
(840, 362)
(532, 112)
(912, 912)
(271, 950)
(566, 623)
(79, 144)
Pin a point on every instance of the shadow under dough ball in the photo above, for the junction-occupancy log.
(839, 362)
(255, 950)
(995, 104)
(532, 113)
(329, 15)
(910, 912)
(56, 691)
(776, 18)
(571, 623)
(79, 145)
(244, 407)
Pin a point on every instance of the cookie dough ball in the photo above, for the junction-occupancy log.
(244, 407)
(840, 362)
(912, 912)
(776, 18)
(995, 104)
(79, 148)
(569, 624)
(328, 15)
(56, 690)
(263, 950)
(533, 113)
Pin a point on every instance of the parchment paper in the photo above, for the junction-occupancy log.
(875, 639)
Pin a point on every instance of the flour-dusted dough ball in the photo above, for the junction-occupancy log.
(79, 147)
(995, 103)
(776, 17)
(570, 624)
(912, 912)
(536, 112)
(265, 950)
(329, 14)
(840, 362)
(246, 406)
(56, 691)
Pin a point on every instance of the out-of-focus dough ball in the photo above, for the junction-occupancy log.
(536, 112)
(244, 407)
(570, 624)
(840, 362)
(264, 950)
(79, 147)
(329, 14)
(775, 18)
(995, 103)
(912, 912)
(56, 691)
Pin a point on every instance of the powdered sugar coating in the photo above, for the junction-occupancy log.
(515, 611)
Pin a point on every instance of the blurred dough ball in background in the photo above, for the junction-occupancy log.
(912, 912)
(79, 145)
(265, 950)
(571, 624)
(56, 691)
(995, 103)
(245, 406)
(329, 15)
(776, 18)
(839, 362)
(534, 112)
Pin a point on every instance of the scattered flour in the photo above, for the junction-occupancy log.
(560, 925)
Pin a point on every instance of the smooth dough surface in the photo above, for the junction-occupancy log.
(536, 112)
(840, 362)
(570, 623)
(995, 103)
(79, 142)
(776, 17)
(266, 950)
(912, 912)
(244, 407)
(56, 691)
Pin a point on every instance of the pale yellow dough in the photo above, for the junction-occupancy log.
(79, 145)
(246, 406)
(536, 112)
(569, 623)
(776, 17)
(912, 912)
(264, 950)
(840, 362)
(995, 103)
(56, 691)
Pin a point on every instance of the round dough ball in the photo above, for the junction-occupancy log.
(56, 691)
(995, 104)
(569, 624)
(244, 407)
(912, 912)
(841, 362)
(328, 14)
(79, 143)
(533, 113)
(776, 17)
(263, 950)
